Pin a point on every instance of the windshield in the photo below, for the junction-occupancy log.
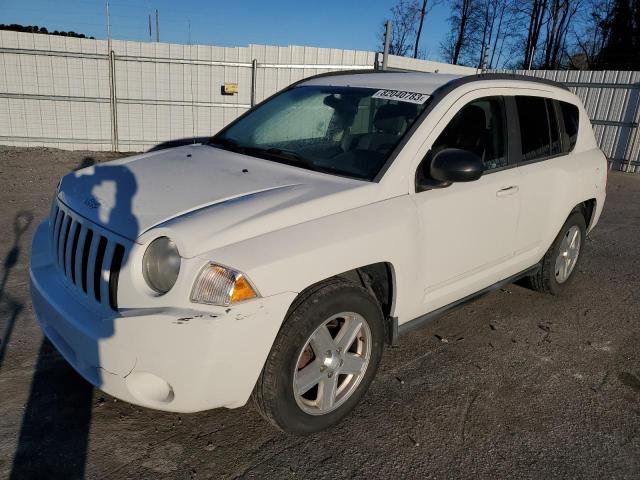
(341, 130)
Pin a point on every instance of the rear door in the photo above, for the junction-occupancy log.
(542, 169)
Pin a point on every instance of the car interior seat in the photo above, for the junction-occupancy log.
(469, 131)
(390, 122)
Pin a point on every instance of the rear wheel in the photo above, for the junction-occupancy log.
(323, 360)
(562, 258)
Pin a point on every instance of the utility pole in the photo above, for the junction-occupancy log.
(150, 37)
(194, 119)
(157, 27)
(485, 56)
(108, 26)
(387, 39)
(423, 12)
(533, 51)
(113, 102)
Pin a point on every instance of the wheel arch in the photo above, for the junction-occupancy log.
(588, 209)
(379, 279)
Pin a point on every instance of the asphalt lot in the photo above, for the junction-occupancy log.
(515, 385)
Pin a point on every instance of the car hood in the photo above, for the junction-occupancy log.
(215, 194)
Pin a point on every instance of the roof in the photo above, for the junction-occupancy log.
(419, 82)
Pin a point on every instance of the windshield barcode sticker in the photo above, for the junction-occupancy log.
(401, 96)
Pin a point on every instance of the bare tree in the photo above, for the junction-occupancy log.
(592, 34)
(489, 27)
(559, 16)
(458, 42)
(479, 30)
(504, 30)
(536, 16)
(407, 21)
(423, 12)
(528, 33)
(404, 17)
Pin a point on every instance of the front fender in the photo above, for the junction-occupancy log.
(293, 258)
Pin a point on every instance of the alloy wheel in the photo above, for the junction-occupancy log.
(332, 363)
(568, 254)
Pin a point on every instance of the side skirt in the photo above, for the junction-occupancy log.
(423, 319)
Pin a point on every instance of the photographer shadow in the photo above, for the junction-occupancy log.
(54, 435)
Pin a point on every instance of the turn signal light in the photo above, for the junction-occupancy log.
(218, 285)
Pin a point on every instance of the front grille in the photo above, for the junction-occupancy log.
(87, 257)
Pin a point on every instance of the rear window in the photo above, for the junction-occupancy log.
(570, 117)
(539, 131)
(534, 127)
(554, 131)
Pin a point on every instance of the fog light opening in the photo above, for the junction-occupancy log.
(148, 387)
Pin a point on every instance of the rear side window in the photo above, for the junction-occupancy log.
(570, 118)
(554, 131)
(539, 134)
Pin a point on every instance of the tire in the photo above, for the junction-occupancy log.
(548, 278)
(337, 307)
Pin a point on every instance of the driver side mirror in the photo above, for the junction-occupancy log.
(448, 166)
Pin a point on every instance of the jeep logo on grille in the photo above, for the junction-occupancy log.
(92, 203)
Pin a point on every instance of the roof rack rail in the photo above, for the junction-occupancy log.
(453, 83)
(507, 76)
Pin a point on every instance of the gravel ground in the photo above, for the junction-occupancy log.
(515, 385)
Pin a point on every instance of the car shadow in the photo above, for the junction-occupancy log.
(54, 434)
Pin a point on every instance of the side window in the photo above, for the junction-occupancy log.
(554, 131)
(534, 127)
(570, 117)
(539, 128)
(478, 127)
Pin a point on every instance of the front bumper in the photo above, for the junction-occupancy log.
(179, 360)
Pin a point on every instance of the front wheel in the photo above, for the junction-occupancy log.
(323, 360)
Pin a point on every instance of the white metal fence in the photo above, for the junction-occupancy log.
(612, 101)
(74, 94)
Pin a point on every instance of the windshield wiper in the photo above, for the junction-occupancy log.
(290, 155)
(226, 143)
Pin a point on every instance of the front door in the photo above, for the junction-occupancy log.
(468, 229)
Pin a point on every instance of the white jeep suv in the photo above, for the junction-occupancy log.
(277, 259)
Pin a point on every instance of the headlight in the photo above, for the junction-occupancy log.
(161, 265)
(218, 285)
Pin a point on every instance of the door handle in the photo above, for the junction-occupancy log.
(506, 191)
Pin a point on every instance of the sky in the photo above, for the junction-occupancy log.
(346, 24)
